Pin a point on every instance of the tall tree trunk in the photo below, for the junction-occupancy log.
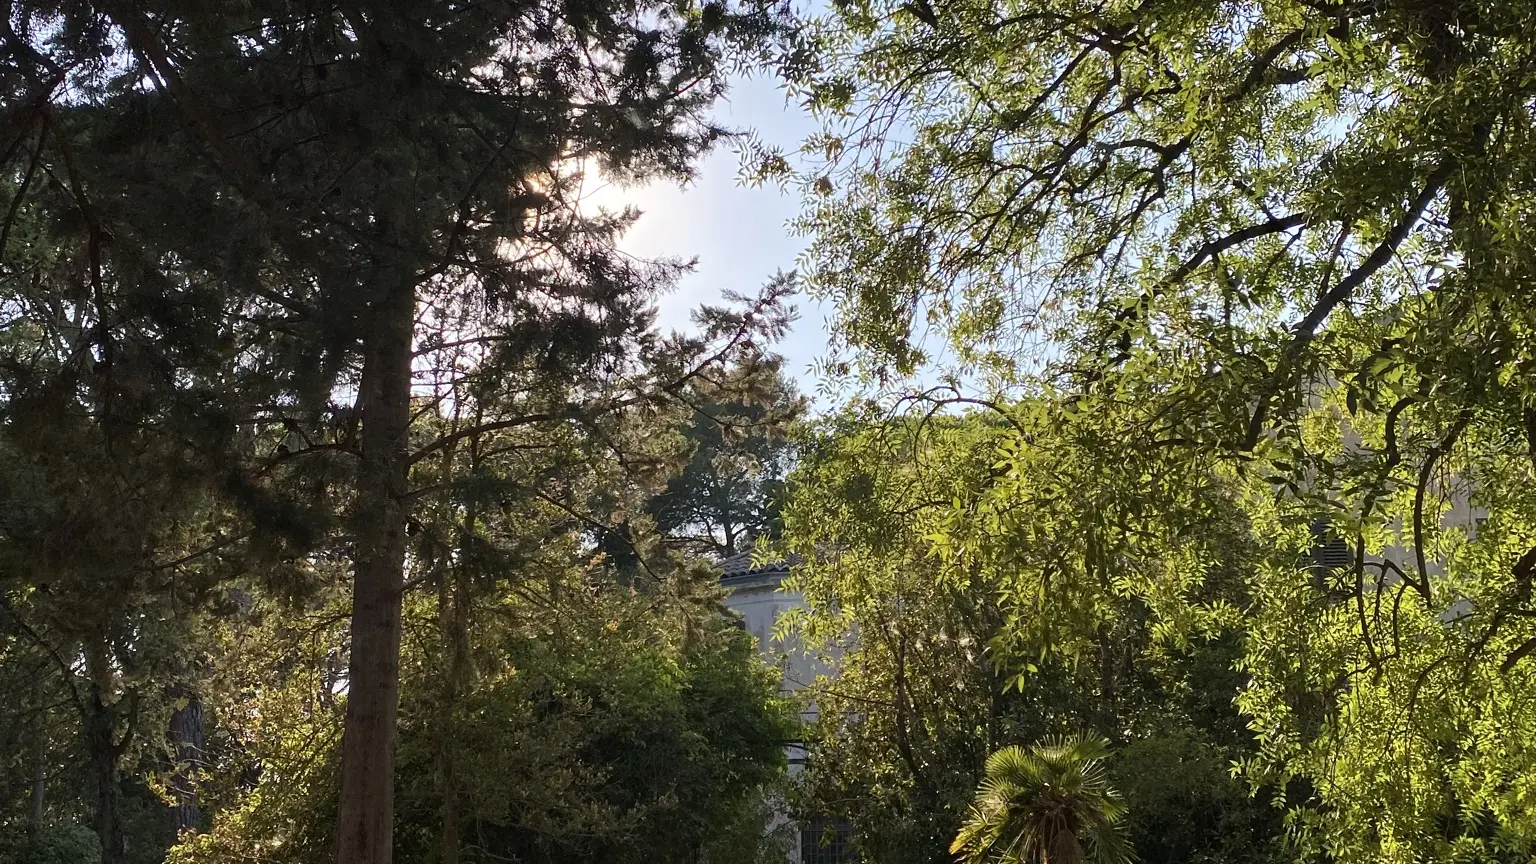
(331, 676)
(39, 789)
(364, 830)
(450, 612)
(450, 842)
(453, 621)
(39, 802)
(104, 753)
(1108, 710)
(450, 623)
(727, 526)
(186, 736)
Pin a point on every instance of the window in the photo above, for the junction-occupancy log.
(825, 840)
(1329, 551)
(1332, 559)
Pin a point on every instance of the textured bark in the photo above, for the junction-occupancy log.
(453, 621)
(104, 753)
(39, 802)
(449, 623)
(364, 830)
(450, 843)
(187, 746)
(1109, 711)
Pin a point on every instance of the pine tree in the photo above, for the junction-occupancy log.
(729, 492)
(334, 193)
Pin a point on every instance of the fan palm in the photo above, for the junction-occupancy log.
(1050, 803)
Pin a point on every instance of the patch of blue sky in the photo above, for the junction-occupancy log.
(738, 236)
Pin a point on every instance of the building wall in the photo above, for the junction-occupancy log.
(755, 595)
(757, 598)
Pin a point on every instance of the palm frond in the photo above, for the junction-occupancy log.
(1050, 803)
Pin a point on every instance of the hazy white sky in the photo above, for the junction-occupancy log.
(738, 234)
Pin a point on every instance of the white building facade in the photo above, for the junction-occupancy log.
(755, 593)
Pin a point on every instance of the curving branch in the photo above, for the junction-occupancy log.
(1307, 329)
(1524, 572)
(66, 672)
(1263, 63)
(1207, 251)
(1431, 459)
(1520, 653)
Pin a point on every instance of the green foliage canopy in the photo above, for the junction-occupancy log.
(1278, 247)
(970, 594)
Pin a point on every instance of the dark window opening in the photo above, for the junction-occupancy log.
(1332, 559)
(1329, 550)
(826, 840)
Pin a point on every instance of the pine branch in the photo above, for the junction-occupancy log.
(153, 52)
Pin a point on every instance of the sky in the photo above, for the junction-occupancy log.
(738, 234)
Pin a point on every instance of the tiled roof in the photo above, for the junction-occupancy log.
(740, 564)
